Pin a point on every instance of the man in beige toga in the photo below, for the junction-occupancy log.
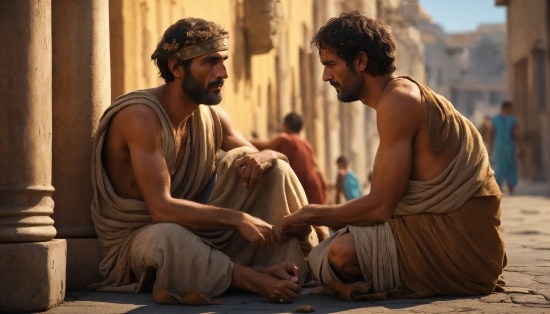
(430, 224)
(166, 213)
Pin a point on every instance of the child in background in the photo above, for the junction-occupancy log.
(347, 181)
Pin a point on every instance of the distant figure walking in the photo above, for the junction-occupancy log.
(302, 160)
(346, 181)
(504, 133)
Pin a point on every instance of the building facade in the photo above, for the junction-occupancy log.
(528, 23)
(469, 68)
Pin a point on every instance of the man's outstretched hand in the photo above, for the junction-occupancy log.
(293, 225)
(252, 166)
(258, 232)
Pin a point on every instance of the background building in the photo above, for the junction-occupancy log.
(469, 68)
(528, 23)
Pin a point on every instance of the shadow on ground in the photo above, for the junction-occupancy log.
(243, 302)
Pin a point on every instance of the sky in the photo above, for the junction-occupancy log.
(463, 15)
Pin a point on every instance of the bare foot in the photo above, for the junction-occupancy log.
(272, 288)
(284, 270)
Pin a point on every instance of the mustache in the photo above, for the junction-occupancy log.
(216, 82)
(334, 83)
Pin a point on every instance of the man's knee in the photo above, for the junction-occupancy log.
(163, 234)
(342, 253)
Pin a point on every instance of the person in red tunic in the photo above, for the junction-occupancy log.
(302, 160)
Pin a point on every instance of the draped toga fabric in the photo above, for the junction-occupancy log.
(444, 237)
(174, 259)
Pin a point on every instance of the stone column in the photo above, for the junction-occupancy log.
(81, 92)
(32, 265)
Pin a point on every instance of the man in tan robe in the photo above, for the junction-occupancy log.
(161, 218)
(430, 224)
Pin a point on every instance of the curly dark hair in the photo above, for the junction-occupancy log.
(352, 32)
(185, 32)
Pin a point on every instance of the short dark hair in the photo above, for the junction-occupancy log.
(342, 160)
(352, 32)
(506, 104)
(185, 32)
(294, 122)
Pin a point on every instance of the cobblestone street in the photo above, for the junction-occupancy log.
(526, 230)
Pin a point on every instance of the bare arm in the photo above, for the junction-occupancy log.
(390, 174)
(339, 186)
(231, 138)
(260, 144)
(252, 166)
(140, 128)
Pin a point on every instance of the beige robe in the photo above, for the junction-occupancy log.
(136, 250)
(444, 238)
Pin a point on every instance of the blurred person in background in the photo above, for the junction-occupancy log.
(347, 181)
(503, 137)
(302, 160)
(485, 130)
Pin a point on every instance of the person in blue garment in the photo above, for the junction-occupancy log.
(346, 181)
(502, 146)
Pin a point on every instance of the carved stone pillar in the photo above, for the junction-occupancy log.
(81, 92)
(32, 265)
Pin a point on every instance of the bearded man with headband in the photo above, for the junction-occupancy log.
(167, 213)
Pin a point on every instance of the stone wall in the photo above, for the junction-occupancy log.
(403, 17)
(529, 83)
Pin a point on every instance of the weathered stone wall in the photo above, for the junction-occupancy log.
(260, 77)
(403, 16)
(529, 68)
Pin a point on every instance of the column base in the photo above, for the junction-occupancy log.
(83, 258)
(32, 275)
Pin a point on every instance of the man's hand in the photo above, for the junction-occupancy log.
(294, 225)
(258, 232)
(252, 166)
(284, 270)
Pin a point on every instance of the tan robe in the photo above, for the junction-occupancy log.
(136, 250)
(444, 237)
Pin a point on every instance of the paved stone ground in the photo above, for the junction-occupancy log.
(526, 230)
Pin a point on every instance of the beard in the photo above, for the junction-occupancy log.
(198, 93)
(350, 87)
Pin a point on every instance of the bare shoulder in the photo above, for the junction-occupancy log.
(136, 122)
(402, 96)
(401, 107)
(225, 120)
(222, 114)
